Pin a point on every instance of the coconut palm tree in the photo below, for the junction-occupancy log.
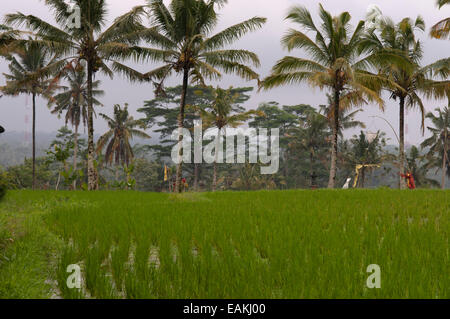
(31, 69)
(90, 42)
(73, 101)
(439, 142)
(183, 42)
(222, 115)
(122, 128)
(441, 30)
(335, 64)
(410, 79)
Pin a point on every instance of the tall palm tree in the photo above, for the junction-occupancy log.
(441, 30)
(122, 128)
(73, 101)
(439, 142)
(90, 42)
(31, 68)
(335, 64)
(181, 35)
(221, 115)
(410, 79)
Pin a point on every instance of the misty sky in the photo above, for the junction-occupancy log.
(15, 112)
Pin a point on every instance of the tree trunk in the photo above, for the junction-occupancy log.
(127, 176)
(311, 169)
(334, 144)
(286, 165)
(214, 183)
(196, 176)
(363, 177)
(178, 185)
(75, 156)
(57, 182)
(216, 155)
(34, 141)
(444, 160)
(92, 174)
(402, 143)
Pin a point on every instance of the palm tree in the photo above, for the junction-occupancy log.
(73, 101)
(335, 64)
(439, 142)
(122, 128)
(183, 42)
(90, 43)
(410, 79)
(441, 30)
(31, 68)
(419, 169)
(221, 115)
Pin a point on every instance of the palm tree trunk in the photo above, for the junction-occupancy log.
(402, 142)
(127, 176)
(75, 156)
(444, 160)
(92, 175)
(334, 143)
(311, 169)
(214, 183)
(34, 141)
(196, 176)
(178, 185)
(216, 157)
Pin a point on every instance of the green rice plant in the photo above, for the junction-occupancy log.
(277, 244)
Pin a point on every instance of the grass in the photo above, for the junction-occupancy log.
(279, 244)
(27, 248)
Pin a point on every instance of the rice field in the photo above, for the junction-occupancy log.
(278, 244)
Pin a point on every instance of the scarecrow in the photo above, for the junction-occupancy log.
(410, 180)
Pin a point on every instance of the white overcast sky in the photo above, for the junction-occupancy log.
(15, 113)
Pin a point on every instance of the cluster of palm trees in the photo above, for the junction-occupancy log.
(179, 35)
(354, 64)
